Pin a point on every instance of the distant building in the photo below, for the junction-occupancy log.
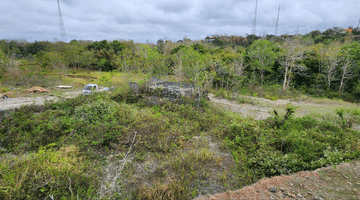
(348, 30)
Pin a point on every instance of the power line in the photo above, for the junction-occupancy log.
(277, 22)
(254, 22)
(62, 26)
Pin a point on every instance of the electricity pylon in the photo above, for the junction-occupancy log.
(254, 22)
(62, 26)
(277, 22)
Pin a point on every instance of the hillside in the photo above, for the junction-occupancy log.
(257, 107)
(139, 146)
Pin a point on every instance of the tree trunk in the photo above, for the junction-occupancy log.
(342, 78)
(285, 79)
(262, 76)
(288, 79)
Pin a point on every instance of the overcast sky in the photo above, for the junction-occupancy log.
(150, 20)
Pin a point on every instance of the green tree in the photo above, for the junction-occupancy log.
(55, 60)
(356, 31)
(2, 65)
(194, 67)
(350, 70)
(292, 53)
(160, 46)
(262, 56)
(229, 72)
(346, 67)
(87, 59)
(329, 61)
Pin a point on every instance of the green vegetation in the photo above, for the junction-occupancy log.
(59, 147)
(61, 173)
(136, 146)
(318, 64)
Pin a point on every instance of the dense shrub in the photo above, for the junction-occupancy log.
(98, 111)
(262, 149)
(60, 174)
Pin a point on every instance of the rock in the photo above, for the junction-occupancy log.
(273, 189)
(318, 198)
(284, 189)
(298, 195)
(64, 87)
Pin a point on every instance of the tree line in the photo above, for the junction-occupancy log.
(316, 63)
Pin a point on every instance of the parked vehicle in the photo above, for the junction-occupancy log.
(90, 88)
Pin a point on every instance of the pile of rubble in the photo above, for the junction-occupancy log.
(166, 89)
(37, 89)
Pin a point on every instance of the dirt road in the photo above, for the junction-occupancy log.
(261, 108)
(246, 110)
(12, 103)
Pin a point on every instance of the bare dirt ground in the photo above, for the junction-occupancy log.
(261, 108)
(338, 182)
(247, 110)
(38, 99)
(11, 103)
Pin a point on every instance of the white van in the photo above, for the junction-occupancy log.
(90, 88)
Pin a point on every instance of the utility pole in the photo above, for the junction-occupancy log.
(277, 22)
(62, 26)
(254, 22)
(358, 25)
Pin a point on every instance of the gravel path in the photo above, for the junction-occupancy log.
(12, 103)
(246, 110)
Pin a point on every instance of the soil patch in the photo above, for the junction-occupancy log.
(333, 182)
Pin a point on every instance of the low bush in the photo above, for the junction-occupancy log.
(48, 173)
(263, 149)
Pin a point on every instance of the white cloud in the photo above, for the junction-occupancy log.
(143, 20)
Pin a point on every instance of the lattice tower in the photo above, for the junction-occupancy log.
(277, 23)
(62, 26)
(254, 22)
